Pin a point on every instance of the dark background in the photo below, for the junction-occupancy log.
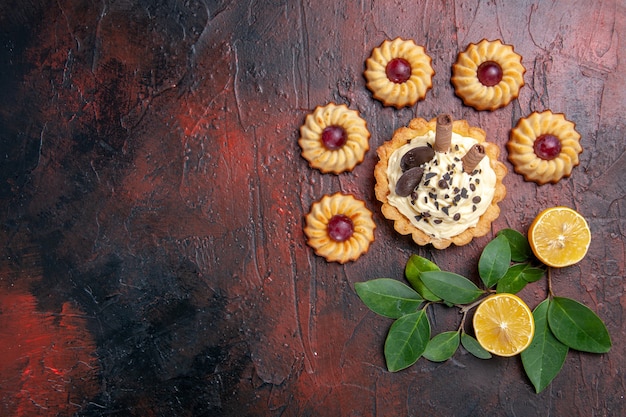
(152, 193)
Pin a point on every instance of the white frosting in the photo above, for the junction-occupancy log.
(447, 200)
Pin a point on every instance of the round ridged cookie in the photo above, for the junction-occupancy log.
(488, 75)
(544, 147)
(334, 139)
(399, 73)
(339, 227)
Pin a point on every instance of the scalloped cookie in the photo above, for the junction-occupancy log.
(488, 75)
(399, 73)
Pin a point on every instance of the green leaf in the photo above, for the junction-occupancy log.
(575, 325)
(494, 261)
(442, 346)
(532, 274)
(407, 340)
(414, 267)
(545, 356)
(451, 287)
(388, 297)
(515, 279)
(520, 249)
(472, 346)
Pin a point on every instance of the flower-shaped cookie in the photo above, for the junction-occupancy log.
(544, 147)
(399, 73)
(488, 75)
(339, 228)
(334, 138)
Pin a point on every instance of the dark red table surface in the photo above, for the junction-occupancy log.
(153, 194)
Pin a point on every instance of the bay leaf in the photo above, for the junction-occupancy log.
(451, 287)
(545, 356)
(407, 340)
(494, 261)
(520, 248)
(577, 326)
(472, 346)
(441, 347)
(414, 267)
(388, 297)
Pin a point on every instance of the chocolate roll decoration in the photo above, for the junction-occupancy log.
(472, 158)
(443, 133)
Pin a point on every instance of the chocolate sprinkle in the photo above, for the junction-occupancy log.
(457, 216)
(476, 199)
(438, 221)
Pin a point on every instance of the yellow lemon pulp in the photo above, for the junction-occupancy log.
(504, 325)
(559, 236)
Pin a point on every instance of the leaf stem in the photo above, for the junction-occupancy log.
(462, 324)
(465, 308)
(550, 292)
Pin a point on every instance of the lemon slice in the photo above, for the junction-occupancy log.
(504, 324)
(559, 236)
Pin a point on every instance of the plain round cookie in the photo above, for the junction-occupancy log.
(488, 75)
(334, 138)
(399, 73)
(339, 228)
(544, 147)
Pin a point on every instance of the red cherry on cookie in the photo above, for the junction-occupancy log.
(398, 70)
(547, 147)
(334, 137)
(340, 228)
(489, 73)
